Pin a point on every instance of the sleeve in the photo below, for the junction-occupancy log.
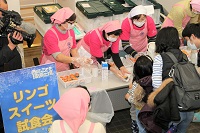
(157, 71)
(6, 54)
(73, 38)
(95, 45)
(128, 49)
(51, 43)
(177, 16)
(126, 30)
(152, 31)
(117, 60)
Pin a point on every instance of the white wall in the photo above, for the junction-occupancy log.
(167, 4)
(14, 5)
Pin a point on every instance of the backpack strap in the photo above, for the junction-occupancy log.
(173, 58)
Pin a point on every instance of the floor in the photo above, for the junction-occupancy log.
(121, 123)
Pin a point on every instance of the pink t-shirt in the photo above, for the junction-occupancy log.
(126, 29)
(50, 40)
(93, 41)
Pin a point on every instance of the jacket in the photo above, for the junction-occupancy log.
(164, 101)
(11, 57)
(142, 91)
(145, 117)
(168, 63)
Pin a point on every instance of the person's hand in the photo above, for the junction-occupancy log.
(81, 61)
(124, 71)
(127, 96)
(15, 38)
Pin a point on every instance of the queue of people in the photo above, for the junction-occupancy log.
(59, 46)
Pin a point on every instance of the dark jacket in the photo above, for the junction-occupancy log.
(164, 101)
(168, 63)
(11, 57)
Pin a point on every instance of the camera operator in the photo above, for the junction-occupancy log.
(9, 56)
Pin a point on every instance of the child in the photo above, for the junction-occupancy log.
(168, 41)
(73, 107)
(139, 90)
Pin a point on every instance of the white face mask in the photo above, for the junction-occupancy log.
(111, 39)
(70, 26)
(139, 24)
(191, 45)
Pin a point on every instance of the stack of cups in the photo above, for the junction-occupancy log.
(95, 70)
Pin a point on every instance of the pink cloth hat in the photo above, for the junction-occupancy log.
(73, 107)
(111, 26)
(61, 15)
(195, 5)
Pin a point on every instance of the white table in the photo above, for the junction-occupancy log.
(115, 87)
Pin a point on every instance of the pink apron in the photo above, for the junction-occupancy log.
(65, 47)
(87, 48)
(138, 38)
(63, 129)
(169, 22)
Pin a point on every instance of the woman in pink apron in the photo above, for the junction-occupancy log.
(100, 40)
(59, 41)
(137, 30)
(183, 12)
(72, 107)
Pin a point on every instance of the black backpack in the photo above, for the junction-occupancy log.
(187, 83)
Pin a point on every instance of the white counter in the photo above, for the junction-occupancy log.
(115, 87)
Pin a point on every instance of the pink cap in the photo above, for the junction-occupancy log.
(195, 5)
(111, 26)
(61, 15)
(73, 107)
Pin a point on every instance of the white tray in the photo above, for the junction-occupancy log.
(84, 77)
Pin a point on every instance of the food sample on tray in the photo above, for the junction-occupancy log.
(70, 77)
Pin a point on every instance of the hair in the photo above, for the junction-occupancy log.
(84, 87)
(167, 38)
(116, 32)
(5, 1)
(137, 17)
(191, 29)
(71, 18)
(142, 67)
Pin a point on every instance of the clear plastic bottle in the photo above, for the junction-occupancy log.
(104, 71)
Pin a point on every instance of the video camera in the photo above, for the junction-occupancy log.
(8, 24)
